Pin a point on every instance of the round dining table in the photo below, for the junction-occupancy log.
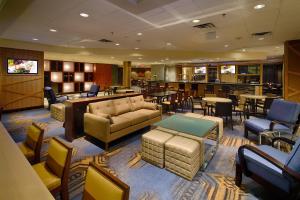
(214, 100)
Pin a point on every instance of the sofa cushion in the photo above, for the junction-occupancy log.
(106, 116)
(106, 107)
(150, 113)
(122, 105)
(135, 117)
(119, 123)
(137, 102)
(148, 105)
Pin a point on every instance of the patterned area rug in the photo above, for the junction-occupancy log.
(146, 181)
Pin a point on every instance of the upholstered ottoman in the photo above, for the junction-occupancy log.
(153, 146)
(184, 156)
(217, 120)
(58, 111)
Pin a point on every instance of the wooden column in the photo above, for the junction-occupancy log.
(292, 70)
(126, 73)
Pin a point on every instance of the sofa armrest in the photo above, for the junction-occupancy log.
(96, 126)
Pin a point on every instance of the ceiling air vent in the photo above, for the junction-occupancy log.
(205, 26)
(105, 40)
(261, 34)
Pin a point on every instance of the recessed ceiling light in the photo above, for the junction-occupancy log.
(53, 30)
(35, 39)
(243, 50)
(259, 6)
(82, 47)
(167, 59)
(84, 15)
(226, 45)
(136, 48)
(117, 44)
(169, 44)
(277, 47)
(112, 57)
(140, 58)
(139, 34)
(261, 38)
(196, 20)
(217, 36)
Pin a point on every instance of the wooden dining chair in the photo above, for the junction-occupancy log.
(54, 172)
(223, 109)
(100, 184)
(31, 147)
(171, 103)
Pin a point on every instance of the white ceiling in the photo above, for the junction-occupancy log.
(160, 21)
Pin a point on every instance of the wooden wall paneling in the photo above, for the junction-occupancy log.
(292, 70)
(21, 91)
(103, 75)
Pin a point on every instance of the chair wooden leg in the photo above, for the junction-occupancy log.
(106, 146)
(238, 175)
(64, 194)
(246, 133)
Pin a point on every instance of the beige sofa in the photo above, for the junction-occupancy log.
(112, 119)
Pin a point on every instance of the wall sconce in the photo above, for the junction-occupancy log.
(88, 67)
(68, 66)
(56, 77)
(68, 87)
(79, 77)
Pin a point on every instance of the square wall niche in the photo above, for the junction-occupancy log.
(88, 67)
(68, 66)
(87, 86)
(56, 77)
(68, 87)
(79, 77)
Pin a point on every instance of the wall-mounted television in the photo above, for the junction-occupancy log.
(22, 66)
(228, 69)
(200, 70)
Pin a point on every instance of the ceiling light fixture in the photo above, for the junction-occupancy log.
(53, 30)
(140, 58)
(243, 50)
(35, 39)
(259, 6)
(169, 44)
(117, 44)
(112, 57)
(261, 38)
(167, 59)
(277, 47)
(84, 15)
(139, 34)
(196, 20)
(226, 45)
(136, 48)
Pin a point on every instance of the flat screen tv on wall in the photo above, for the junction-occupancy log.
(22, 66)
(228, 69)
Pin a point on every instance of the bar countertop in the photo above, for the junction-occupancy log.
(18, 180)
(216, 83)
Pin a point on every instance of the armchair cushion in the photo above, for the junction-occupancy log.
(293, 160)
(57, 156)
(49, 179)
(265, 169)
(260, 125)
(32, 138)
(284, 111)
(26, 150)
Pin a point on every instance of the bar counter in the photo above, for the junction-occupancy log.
(18, 180)
(199, 87)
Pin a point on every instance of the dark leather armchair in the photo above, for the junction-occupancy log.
(93, 91)
(282, 116)
(271, 167)
(52, 97)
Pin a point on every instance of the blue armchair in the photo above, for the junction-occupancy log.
(282, 116)
(52, 97)
(93, 91)
(271, 167)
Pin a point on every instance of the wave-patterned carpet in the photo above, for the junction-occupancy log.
(146, 181)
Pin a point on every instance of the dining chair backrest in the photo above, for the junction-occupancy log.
(234, 99)
(173, 98)
(223, 109)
